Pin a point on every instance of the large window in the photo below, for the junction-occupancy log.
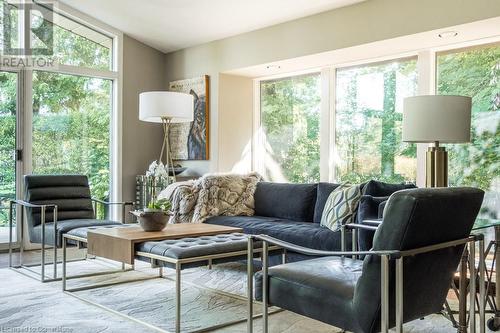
(64, 122)
(475, 72)
(369, 106)
(71, 127)
(75, 44)
(290, 114)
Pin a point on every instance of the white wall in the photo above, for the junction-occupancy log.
(235, 123)
(366, 22)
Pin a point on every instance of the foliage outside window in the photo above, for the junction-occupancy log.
(368, 122)
(290, 114)
(475, 72)
(71, 133)
(71, 114)
(76, 44)
(8, 106)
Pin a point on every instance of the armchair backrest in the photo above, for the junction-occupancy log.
(412, 219)
(71, 194)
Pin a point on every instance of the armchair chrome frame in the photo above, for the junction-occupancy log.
(386, 257)
(43, 208)
(461, 293)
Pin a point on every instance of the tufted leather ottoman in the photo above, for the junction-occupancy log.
(188, 248)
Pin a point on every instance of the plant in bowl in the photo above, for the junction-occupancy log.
(155, 216)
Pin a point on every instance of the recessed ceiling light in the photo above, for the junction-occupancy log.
(273, 67)
(448, 34)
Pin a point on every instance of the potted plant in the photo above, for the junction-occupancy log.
(155, 217)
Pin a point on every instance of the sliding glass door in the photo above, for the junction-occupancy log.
(71, 128)
(57, 112)
(9, 88)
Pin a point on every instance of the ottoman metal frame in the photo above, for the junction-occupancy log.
(155, 261)
(42, 276)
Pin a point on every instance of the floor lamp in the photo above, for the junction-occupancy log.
(437, 119)
(166, 107)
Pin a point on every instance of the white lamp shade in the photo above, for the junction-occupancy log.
(155, 105)
(437, 118)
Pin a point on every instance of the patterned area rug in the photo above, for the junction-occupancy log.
(209, 297)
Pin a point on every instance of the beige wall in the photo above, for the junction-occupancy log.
(235, 118)
(143, 70)
(365, 22)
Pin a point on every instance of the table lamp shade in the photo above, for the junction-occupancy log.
(155, 105)
(435, 118)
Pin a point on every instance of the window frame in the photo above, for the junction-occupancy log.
(426, 85)
(258, 141)
(114, 74)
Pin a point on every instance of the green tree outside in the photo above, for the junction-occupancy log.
(71, 119)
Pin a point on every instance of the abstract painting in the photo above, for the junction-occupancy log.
(190, 141)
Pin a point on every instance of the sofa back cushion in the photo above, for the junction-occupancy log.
(286, 201)
(323, 192)
(376, 188)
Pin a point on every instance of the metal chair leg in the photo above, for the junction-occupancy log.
(399, 295)
(10, 233)
(177, 298)
(64, 264)
(472, 288)
(55, 242)
(42, 218)
(482, 294)
(384, 278)
(250, 285)
(265, 286)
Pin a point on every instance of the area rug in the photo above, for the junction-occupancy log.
(209, 297)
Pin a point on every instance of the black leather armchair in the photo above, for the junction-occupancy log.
(416, 251)
(54, 205)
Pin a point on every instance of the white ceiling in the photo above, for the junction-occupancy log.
(169, 25)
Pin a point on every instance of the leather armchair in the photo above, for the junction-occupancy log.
(54, 205)
(406, 276)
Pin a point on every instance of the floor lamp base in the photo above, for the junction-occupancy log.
(436, 167)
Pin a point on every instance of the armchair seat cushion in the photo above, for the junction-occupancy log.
(63, 227)
(307, 234)
(321, 288)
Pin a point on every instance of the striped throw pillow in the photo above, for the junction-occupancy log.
(341, 206)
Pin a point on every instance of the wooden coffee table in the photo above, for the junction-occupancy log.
(123, 244)
(118, 244)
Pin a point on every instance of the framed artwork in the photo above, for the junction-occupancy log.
(190, 141)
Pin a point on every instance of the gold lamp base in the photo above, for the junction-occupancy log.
(436, 167)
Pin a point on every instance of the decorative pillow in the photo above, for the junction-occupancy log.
(341, 206)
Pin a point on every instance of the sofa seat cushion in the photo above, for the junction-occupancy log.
(63, 227)
(321, 288)
(286, 201)
(306, 234)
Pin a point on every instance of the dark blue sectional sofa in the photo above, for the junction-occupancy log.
(292, 213)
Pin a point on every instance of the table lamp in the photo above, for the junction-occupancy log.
(166, 107)
(437, 119)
